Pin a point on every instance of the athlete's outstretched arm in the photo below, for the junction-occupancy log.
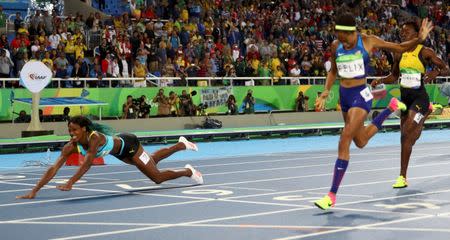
(440, 67)
(68, 149)
(88, 159)
(376, 42)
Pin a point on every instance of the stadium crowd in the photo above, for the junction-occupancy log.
(206, 38)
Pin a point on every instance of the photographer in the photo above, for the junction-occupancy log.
(249, 103)
(186, 105)
(174, 101)
(301, 103)
(129, 109)
(143, 107)
(200, 109)
(231, 104)
(163, 103)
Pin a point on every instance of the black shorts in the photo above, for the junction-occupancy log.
(130, 145)
(416, 100)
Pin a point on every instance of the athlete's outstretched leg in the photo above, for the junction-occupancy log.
(147, 166)
(182, 144)
(362, 137)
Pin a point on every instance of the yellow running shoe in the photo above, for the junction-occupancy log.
(400, 182)
(324, 203)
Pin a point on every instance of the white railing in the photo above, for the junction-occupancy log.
(153, 81)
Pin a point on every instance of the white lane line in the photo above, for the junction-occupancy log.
(246, 188)
(15, 190)
(344, 195)
(85, 223)
(106, 211)
(431, 200)
(111, 193)
(412, 229)
(178, 224)
(264, 203)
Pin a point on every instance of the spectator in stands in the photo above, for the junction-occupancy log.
(6, 64)
(80, 70)
(96, 72)
(3, 19)
(295, 73)
(61, 65)
(129, 108)
(140, 71)
(17, 21)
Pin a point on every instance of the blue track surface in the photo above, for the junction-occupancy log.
(258, 189)
(244, 147)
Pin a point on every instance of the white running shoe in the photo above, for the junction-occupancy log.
(196, 175)
(189, 145)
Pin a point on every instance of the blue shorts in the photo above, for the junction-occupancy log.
(358, 96)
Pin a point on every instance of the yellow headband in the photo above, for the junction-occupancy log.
(345, 28)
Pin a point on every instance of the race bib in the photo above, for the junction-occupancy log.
(418, 117)
(366, 94)
(144, 157)
(410, 78)
(350, 66)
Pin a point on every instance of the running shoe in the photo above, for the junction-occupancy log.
(395, 104)
(196, 175)
(325, 203)
(189, 145)
(400, 182)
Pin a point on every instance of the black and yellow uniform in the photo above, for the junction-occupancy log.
(412, 87)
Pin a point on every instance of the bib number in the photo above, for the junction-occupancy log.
(410, 80)
(351, 69)
(366, 94)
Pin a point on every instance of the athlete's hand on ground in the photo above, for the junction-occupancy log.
(65, 187)
(426, 28)
(30, 195)
(320, 101)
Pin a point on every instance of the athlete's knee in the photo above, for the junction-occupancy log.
(157, 180)
(155, 177)
(360, 143)
(409, 138)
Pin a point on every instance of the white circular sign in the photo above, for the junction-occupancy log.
(35, 76)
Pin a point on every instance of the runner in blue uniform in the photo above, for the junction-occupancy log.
(349, 61)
